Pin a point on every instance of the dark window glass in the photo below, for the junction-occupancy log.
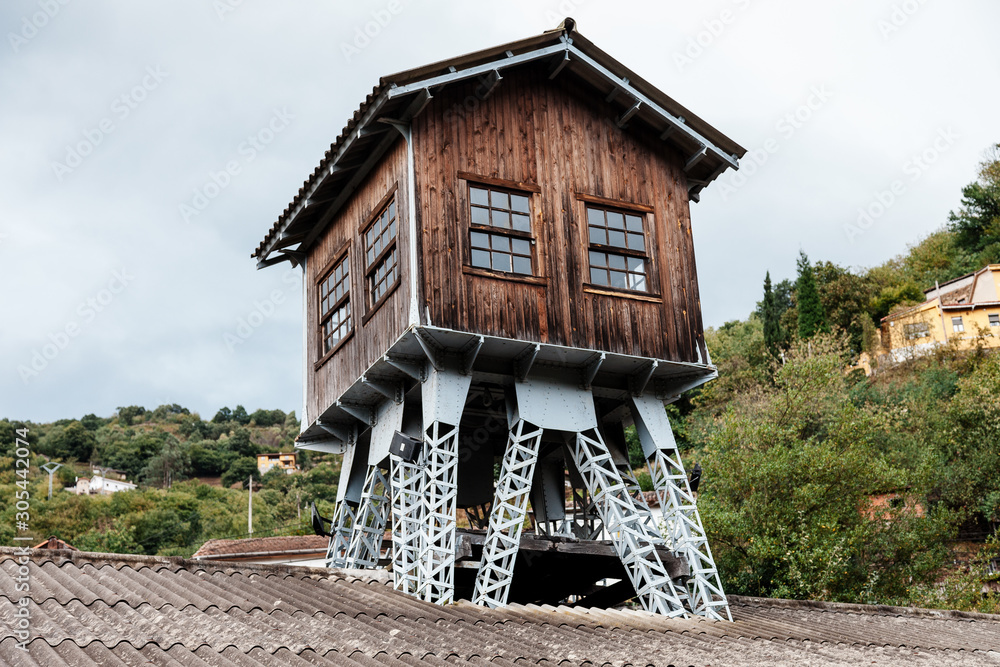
(335, 304)
(502, 241)
(618, 249)
(381, 258)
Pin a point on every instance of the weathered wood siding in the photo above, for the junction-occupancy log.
(556, 136)
(370, 339)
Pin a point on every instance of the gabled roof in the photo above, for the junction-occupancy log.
(126, 610)
(288, 545)
(402, 96)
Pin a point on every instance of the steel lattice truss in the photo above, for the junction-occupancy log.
(369, 525)
(340, 537)
(436, 567)
(686, 534)
(496, 571)
(407, 522)
(633, 539)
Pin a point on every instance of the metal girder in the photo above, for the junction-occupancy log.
(633, 539)
(558, 65)
(627, 114)
(416, 370)
(493, 80)
(437, 553)
(510, 505)
(391, 389)
(369, 525)
(590, 370)
(637, 382)
(525, 360)
(407, 500)
(340, 535)
(555, 405)
(362, 413)
(683, 527)
(470, 352)
(696, 158)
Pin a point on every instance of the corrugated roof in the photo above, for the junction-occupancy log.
(362, 140)
(263, 545)
(127, 610)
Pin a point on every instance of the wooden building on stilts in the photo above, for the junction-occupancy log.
(499, 278)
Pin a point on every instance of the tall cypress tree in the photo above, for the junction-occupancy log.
(772, 319)
(812, 316)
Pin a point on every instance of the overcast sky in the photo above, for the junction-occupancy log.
(121, 286)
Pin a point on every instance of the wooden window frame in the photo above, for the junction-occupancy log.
(961, 323)
(373, 304)
(341, 256)
(527, 190)
(643, 212)
(991, 321)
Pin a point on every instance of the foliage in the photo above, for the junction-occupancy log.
(240, 471)
(773, 337)
(792, 474)
(812, 316)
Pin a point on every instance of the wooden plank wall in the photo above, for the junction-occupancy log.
(561, 137)
(371, 339)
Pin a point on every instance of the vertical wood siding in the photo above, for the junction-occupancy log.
(370, 339)
(561, 137)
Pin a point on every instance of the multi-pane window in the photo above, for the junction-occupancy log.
(995, 320)
(918, 330)
(957, 325)
(500, 234)
(617, 249)
(381, 256)
(335, 304)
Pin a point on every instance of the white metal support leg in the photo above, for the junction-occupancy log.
(443, 397)
(496, 571)
(369, 526)
(340, 536)
(684, 529)
(437, 557)
(634, 541)
(407, 522)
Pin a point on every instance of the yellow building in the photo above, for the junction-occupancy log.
(287, 461)
(962, 312)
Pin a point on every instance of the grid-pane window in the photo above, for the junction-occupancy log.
(500, 234)
(957, 325)
(381, 257)
(617, 249)
(995, 320)
(335, 304)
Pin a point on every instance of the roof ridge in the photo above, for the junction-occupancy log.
(868, 609)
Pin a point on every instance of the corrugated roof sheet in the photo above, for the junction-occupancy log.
(129, 610)
(262, 545)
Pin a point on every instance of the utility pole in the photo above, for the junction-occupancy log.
(250, 510)
(51, 468)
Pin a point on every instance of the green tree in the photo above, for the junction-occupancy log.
(240, 471)
(773, 337)
(977, 223)
(127, 415)
(240, 415)
(172, 463)
(70, 441)
(223, 415)
(812, 316)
